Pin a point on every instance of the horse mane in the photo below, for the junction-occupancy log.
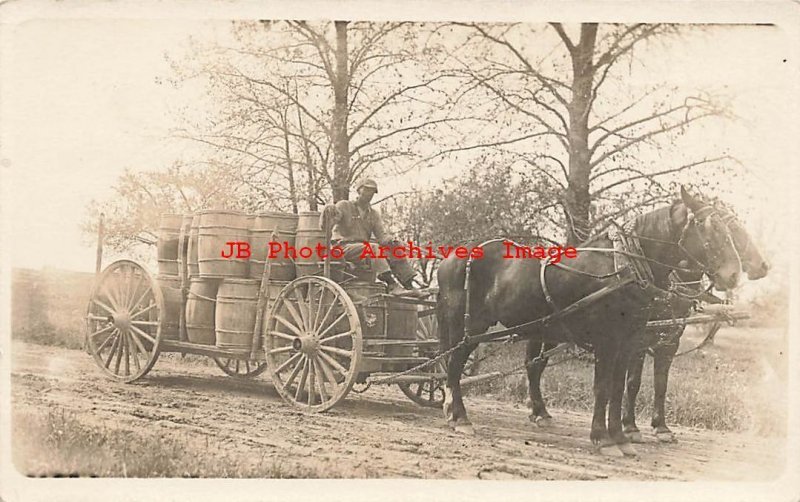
(657, 221)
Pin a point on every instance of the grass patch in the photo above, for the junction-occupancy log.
(58, 444)
(733, 385)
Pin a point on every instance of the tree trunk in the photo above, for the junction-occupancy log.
(289, 163)
(577, 200)
(312, 190)
(341, 141)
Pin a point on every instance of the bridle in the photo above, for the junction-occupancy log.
(730, 219)
(710, 255)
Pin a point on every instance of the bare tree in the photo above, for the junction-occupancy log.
(327, 102)
(586, 133)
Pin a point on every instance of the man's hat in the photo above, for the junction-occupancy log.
(369, 183)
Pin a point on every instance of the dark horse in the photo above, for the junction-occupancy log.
(509, 291)
(664, 343)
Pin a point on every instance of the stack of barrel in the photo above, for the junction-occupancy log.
(168, 277)
(223, 292)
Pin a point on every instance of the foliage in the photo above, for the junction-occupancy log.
(62, 444)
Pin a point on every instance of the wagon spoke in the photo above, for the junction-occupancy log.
(309, 307)
(127, 355)
(98, 318)
(302, 383)
(285, 336)
(112, 336)
(311, 379)
(102, 331)
(330, 326)
(336, 350)
(143, 334)
(281, 350)
(332, 362)
(327, 313)
(288, 362)
(142, 311)
(107, 294)
(323, 395)
(295, 371)
(113, 349)
(326, 370)
(120, 350)
(127, 280)
(302, 307)
(139, 344)
(105, 307)
(119, 295)
(289, 325)
(319, 309)
(144, 323)
(134, 291)
(328, 339)
(297, 317)
(133, 350)
(147, 290)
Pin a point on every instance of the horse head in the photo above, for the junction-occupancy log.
(753, 262)
(706, 241)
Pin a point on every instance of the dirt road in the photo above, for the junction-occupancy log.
(376, 434)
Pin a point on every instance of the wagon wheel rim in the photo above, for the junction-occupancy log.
(312, 343)
(124, 321)
(430, 393)
(240, 368)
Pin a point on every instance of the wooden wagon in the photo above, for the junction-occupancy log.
(315, 335)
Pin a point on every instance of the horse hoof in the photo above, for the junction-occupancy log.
(665, 437)
(451, 424)
(634, 437)
(465, 429)
(627, 449)
(543, 422)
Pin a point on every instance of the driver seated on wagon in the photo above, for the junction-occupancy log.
(357, 224)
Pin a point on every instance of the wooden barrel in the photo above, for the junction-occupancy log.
(215, 229)
(235, 315)
(183, 255)
(171, 290)
(169, 229)
(309, 234)
(264, 224)
(194, 270)
(371, 314)
(200, 307)
(401, 325)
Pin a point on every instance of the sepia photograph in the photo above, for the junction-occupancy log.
(506, 248)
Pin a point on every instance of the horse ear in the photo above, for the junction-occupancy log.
(690, 202)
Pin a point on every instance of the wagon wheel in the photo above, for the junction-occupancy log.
(239, 368)
(124, 321)
(430, 393)
(312, 341)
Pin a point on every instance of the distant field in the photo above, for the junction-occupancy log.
(48, 306)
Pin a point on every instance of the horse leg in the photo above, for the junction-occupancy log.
(535, 368)
(454, 410)
(632, 384)
(451, 332)
(662, 360)
(603, 368)
(615, 400)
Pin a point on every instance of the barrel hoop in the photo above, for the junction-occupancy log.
(192, 293)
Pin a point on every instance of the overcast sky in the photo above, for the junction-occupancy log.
(80, 103)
